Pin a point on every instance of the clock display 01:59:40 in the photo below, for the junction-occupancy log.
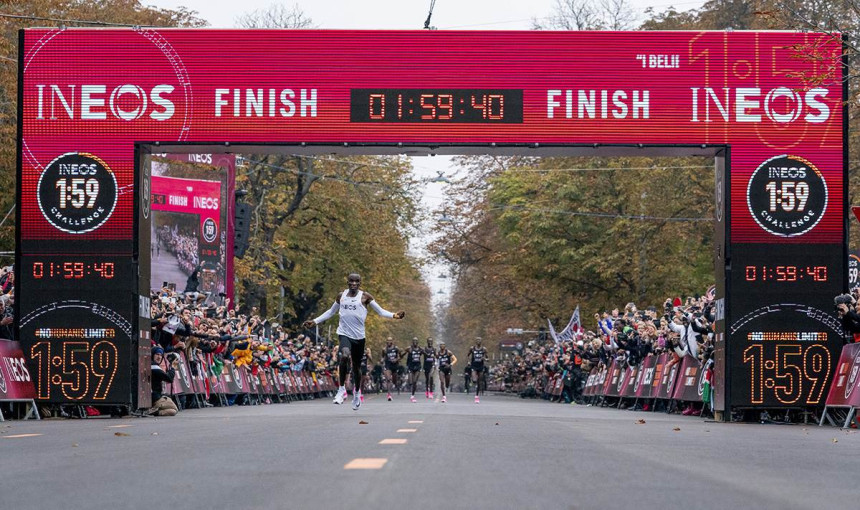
(73, 270)
(785, 273)
(437, 105)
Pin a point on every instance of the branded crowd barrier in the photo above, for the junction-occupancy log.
(200, 379)
(16, 385)
(844, 392)
(656, 377)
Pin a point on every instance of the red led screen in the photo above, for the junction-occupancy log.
(99, 91)
(769, 105)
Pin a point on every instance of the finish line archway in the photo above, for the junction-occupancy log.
(94, 102)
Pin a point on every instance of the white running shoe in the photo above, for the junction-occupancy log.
(356, 401)
(412, 399)
(341, 393)
(444, 399)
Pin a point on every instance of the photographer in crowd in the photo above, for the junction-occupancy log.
(847, 309)
(162, 405)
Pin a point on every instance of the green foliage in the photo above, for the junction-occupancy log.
(553, 233)
(317, 219)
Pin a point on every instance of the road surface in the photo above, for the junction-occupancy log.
(502, 453)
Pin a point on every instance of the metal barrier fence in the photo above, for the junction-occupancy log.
(198, 381)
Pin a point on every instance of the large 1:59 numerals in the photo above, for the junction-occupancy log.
(78, 193)
(796, 372)
(71, 369)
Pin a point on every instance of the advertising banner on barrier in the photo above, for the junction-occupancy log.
(668, 377)
(644, 386)
(600, 382)
(630, 377)
(589, 383)
(15, 380)
(845, 390)
(277, 381)
(182, 380)
(234, 379)
(690, 383)
(610, 384)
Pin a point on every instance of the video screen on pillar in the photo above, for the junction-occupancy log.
(783, 325)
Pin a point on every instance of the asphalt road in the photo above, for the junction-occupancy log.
(502, 453)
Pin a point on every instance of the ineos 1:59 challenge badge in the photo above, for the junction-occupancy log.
(787, 195)
(77, 192)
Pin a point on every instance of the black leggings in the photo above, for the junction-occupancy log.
(428, 378)
(351, 350)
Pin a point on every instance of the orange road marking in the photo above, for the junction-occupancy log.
(365, 464)
(407, 430)
(393, 441)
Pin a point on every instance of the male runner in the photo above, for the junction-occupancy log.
(366, 356)
(446, 361)
(351, 305)
(413, 364)
(392, 356)
(477, 355)
(429, 365)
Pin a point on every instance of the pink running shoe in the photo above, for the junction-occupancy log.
(389, 397)
(477, 400)
(444, 399)
(426, 394)
(412, 399)
(361, 396)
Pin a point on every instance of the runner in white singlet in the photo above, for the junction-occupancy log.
(351, 306)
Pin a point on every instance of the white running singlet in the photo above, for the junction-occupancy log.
(352, 315)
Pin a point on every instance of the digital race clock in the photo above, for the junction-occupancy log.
(75, 268)
(783, 324)
(500, 106)
(785, 273)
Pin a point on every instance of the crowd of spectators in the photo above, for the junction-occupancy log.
(7, 302)
(183, 322)
(180, 242)
(627, 336)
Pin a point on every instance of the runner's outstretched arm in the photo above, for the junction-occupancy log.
(385, 313)
(324, 317)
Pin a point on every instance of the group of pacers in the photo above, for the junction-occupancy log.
(353, 355)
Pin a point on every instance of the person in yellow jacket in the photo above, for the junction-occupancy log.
(243, 353)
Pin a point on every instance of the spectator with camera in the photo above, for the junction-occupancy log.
(162, 405)
(847, 311)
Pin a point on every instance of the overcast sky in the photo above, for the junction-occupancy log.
(401, 14)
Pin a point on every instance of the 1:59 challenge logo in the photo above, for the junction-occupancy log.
(787, 195)
(77, 192)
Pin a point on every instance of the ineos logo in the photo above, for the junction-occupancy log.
(126, 102)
